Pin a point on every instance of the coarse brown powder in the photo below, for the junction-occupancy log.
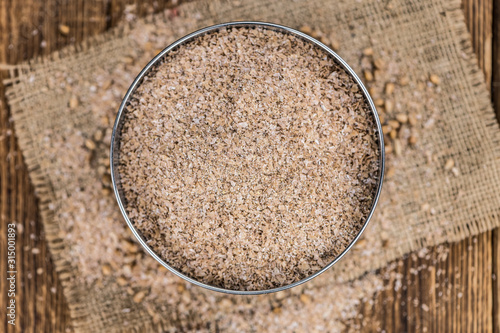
(249, 159)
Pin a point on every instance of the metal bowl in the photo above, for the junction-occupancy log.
(115, 147)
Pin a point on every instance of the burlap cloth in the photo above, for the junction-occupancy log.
(423, 204)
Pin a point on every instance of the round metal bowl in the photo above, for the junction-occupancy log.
(115, 147)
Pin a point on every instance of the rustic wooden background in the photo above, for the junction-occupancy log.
(456, 295)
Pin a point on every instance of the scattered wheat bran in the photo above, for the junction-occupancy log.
(249, 159)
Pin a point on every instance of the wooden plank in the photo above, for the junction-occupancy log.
(495, 87)
(496, 59)
(436, 295)
(479, 19)
(496, 280)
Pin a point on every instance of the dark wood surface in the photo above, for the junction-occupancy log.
(459, 294)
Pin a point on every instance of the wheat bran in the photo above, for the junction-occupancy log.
(249, 159)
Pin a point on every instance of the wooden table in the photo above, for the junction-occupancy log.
(460, 294)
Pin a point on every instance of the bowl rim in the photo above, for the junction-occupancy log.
(114, 148)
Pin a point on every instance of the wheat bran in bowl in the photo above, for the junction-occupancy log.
(248, 158)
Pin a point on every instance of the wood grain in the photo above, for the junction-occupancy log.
(452, 295)
(496, 280)
(435, 295)
(495, 86)
(479, 19)
(495, 91)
